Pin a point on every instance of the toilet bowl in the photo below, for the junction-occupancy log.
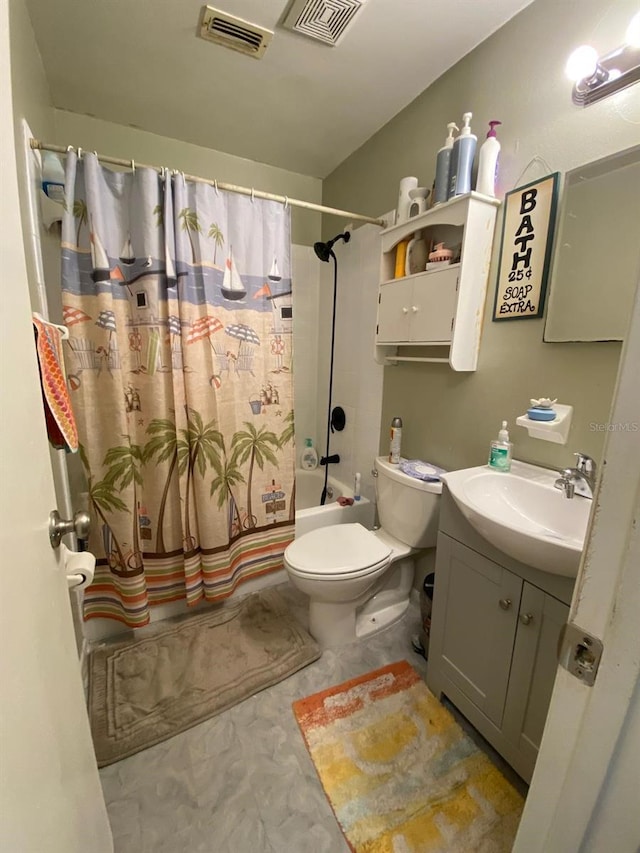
(359, 581)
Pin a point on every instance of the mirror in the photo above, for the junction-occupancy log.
(597, 251)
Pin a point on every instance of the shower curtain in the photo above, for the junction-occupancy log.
(177, 298)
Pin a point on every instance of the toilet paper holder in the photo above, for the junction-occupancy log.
(59, 527)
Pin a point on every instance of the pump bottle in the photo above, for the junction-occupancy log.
(488, 162)
(443, 167)
(309, 459)
(500, 451)
(464, 149)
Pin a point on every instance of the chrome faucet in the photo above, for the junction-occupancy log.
(580, 480)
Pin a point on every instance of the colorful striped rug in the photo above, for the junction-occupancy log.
(399, 772)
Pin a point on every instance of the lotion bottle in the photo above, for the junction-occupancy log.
(488, 162)
(500, 451)
(443, 166)
(309, 458)
(464, 149)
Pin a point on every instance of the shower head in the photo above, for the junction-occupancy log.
(324, 250)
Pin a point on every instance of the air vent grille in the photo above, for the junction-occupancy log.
(323, 20)
(232, 32)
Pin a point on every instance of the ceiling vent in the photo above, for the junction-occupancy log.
(323, 20)
(232, 32)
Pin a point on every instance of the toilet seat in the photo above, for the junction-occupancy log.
(337, 552)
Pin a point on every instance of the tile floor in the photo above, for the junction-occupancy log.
(243, 782)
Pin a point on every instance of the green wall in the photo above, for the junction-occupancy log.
(516, 76)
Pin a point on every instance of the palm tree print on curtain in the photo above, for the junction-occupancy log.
(187, 438)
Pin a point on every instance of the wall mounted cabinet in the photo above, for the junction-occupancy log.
(440, 307)
(495, 630)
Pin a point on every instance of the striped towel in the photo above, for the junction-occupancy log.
(61, 424)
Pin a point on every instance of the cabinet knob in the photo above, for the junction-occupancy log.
(415, 309)
(505, 603)
(405, 310)
(526, 618)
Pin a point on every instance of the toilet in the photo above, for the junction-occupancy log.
(359, 581)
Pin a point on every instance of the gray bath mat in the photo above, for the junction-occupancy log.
(143, 691)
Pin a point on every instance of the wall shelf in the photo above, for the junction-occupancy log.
(438, 307)
(556, 431)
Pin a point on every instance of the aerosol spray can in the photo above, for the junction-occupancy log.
(396, 440)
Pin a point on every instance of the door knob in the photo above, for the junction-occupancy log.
(415, 309)
(405, 310)
(59, 527)
(505, 603)
(526, 618)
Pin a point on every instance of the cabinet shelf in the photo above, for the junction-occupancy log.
(421, 274)
(438, 307)
(452, 212)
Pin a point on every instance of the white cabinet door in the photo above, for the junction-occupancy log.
(394, 311)
(51, 798)
(535, 663)
(433, 306)
(475, 615)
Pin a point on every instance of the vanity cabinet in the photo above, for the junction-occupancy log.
(494, 636)
(442, 307)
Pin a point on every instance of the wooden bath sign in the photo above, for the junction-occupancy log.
(525, 251)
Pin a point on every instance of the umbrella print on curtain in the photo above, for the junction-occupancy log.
(107, 320)
(73, 316)
(248, 339)
(203, 328)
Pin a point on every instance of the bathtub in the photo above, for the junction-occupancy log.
(310, 515)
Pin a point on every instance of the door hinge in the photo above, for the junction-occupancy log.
(379, 298)
(579, 652)
(377, 329)
(457, 283)
(452, 322)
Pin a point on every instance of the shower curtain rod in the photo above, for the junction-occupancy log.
(232, 188)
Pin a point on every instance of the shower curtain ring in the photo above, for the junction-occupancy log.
(253, 198)
(69, 148)
(79, 153)
(286, 202)
(184, 180)
(133, 165)
(215, 186)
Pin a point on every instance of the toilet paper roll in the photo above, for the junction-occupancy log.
(79, 567)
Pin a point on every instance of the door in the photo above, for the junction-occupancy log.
(394, 311)
(584, 792)
(50, 792)
(475, 633)
(533, 672)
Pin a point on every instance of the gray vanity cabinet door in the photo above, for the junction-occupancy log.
(476, 631)
(535, 662)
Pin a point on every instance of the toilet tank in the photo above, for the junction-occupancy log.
(407, 508)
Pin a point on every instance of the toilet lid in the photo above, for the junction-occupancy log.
(339, 549)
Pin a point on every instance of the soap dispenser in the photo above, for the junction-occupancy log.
(443, 167)
(464, 150)
(309, 459)
(500, 451)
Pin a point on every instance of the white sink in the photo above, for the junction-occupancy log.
(523, 515)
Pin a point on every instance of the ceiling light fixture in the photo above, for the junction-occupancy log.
(596, 77)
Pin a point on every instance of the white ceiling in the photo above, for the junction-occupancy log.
(304, 107)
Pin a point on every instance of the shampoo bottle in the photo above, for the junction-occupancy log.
(395, 441)
(500, 451)
(488, 162)
(443, 165)
(464, 149)
(309, 458)
(356, 488)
